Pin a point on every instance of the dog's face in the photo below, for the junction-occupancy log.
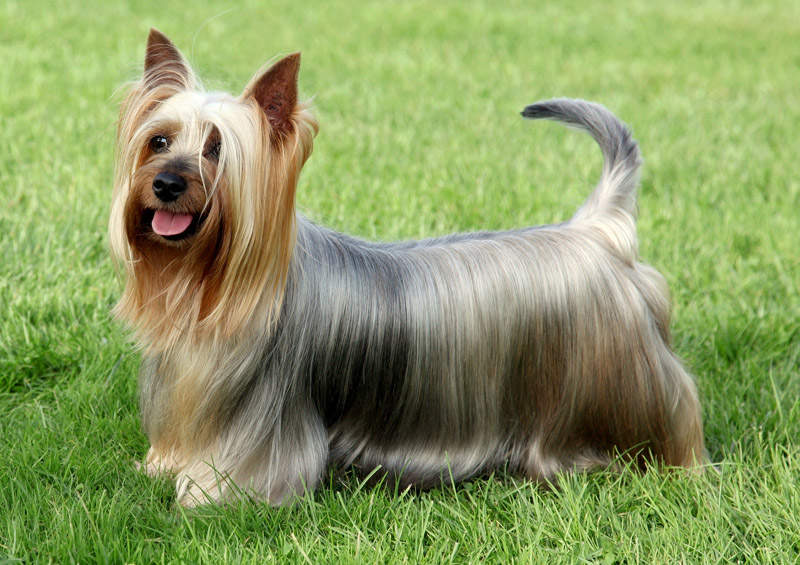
(176, 192)
(203, 202)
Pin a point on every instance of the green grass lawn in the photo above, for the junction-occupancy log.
(420, 135)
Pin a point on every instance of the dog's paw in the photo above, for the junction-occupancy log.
(156, 464)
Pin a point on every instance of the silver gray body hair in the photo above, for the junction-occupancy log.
(545, 349)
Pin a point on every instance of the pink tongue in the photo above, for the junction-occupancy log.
(167, 223)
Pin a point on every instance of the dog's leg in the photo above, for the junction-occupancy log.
(662, 428)
(285, 462)
(685, 447)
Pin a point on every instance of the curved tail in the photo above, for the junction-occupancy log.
(615, 194)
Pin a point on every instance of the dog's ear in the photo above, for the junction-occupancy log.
(275, 91)
(164, 64)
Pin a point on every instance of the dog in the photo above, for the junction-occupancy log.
(275, 349)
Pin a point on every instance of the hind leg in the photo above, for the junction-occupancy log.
(664, 428)
(685, 447)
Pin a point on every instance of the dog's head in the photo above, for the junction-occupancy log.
(202, 217)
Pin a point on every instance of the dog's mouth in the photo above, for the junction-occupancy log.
(172, 226)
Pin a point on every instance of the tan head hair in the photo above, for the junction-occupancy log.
(236, 260)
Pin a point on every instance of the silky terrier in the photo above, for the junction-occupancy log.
(275, 348)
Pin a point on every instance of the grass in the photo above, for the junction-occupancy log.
(420, 136)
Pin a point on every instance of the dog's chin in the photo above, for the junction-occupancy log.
(171, 237)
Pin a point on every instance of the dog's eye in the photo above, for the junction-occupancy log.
(212, 152)
(159, 143)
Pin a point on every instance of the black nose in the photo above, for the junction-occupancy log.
(168, 186)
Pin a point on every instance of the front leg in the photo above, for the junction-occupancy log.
(288, 462)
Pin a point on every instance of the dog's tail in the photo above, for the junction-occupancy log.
(614, 198)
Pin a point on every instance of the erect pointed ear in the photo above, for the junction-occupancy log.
(164, 64)
(275, 91)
